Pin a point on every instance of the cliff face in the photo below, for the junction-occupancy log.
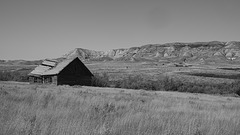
(191, 52)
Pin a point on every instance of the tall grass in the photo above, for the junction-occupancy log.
(48, 110)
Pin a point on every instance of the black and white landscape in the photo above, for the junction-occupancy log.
(119, 67)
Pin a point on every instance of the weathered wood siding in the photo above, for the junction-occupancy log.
(75, 74)
(55, 80)
(34, 79)
(31, 79)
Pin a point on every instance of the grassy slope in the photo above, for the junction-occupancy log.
(50, 110)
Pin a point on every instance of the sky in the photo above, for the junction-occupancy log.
(39, 29)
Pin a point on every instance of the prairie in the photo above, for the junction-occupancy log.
(118, 70)
(212, 74)
(58, 110)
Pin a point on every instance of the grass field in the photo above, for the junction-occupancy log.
(64, 110)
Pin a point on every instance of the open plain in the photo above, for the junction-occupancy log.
(57, 110)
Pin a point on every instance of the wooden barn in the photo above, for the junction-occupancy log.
(65, 72)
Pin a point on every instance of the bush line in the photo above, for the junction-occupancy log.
(166, 84)
(163, 83)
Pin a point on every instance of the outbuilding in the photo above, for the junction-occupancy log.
(63, 72)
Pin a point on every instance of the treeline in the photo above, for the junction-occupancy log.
(164, 83)
(167, 84)
(13, 76)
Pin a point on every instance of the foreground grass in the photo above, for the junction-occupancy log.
(63, 110)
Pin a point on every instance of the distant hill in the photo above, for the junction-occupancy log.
(197, 52)
(213, 52)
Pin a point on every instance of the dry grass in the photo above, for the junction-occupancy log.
(50, 110)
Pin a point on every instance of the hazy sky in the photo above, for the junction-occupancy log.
(38, 29)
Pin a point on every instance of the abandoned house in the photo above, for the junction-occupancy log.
(65, 72)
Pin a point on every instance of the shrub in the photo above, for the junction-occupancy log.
(140, 82)
(235, 87)
(165, 83)
(100, 80)
(169, 84)
(13, 76)
(238, 92)
(136, 82)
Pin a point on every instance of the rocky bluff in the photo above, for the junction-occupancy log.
(214, 52)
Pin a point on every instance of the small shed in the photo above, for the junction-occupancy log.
(64, 72)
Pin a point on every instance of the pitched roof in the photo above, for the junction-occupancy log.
(49, 67)
(58, 68)
(39, 70)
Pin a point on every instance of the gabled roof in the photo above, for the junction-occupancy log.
(39, 70)
(50, 67)
(59, 67)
